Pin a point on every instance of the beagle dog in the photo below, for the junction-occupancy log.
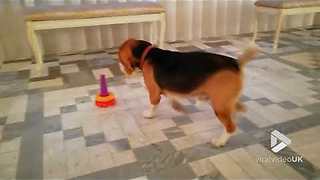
(214, 77)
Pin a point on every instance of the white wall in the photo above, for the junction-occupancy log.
(186, 20)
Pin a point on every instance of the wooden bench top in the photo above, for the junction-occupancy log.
(287, 4)
(82, 11)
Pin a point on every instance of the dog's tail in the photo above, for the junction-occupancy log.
(248, 55)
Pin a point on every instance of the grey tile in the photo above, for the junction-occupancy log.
(288, 105)
(100, 63)
(127, 171)
(24, 74)
(83, 99)
(93, 52)
(191, 108)
(135, 85)
(93, 91)
(120, 145)
(72, 133)
(52, 124)
(176, 42)
(68, 109)
(244, 98)
(13, 130)
(95, 139)
(35, 105)
(246, 125)
(3, 120)
(293, 125)
(206, 150)
(158, 156)
(54, 72)
(219, 43)
(264, 101)
(181, 120)
(116, 81)
(218, 176)
(317, 96)
(82, 78)
(314, 108)
(305, 168)
(173, 132)
(182, 171)
(115, 69)
(13, 88)
(30, 163)
(202, 151)
(188, 48)
(8, 76)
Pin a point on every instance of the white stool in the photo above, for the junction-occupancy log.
(282, 8)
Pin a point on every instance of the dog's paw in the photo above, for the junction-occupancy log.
(148, 114)
(222, 140)
(219, 142)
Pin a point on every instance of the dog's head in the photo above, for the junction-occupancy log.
(130, 53)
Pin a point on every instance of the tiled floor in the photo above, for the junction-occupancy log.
(51, 129)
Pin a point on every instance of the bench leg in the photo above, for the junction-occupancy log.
(36, 45)
(162, 29)
(255, 26)
(277, 33)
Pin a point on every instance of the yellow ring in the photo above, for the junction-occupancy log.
(110, 97)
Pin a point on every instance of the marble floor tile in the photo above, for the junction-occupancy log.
(252, 167)
(100, 158)
(106, 71)
(203, 167)
(69, 68)
(55, 165)
(124, 157)
(279, 170)
(8, 164)
(305, 142)
(228, 167)
(10, 145)
(46, 83)
(50, 127)
(77, 163)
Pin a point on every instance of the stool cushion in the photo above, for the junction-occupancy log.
(287, 4)
(81, 11)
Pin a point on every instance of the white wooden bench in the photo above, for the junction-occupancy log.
(70, 16)
(282, 8)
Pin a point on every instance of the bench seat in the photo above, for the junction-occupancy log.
(45, 13)
(287, 4)
(85, 15)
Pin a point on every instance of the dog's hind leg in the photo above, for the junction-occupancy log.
(225, 117)
(240, 107)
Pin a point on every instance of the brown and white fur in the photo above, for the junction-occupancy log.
(221, 87)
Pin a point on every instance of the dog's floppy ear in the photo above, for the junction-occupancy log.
(130, 53)
(126, 56)
(137, 51)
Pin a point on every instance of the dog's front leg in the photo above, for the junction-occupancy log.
(153, 89)
(154, 101)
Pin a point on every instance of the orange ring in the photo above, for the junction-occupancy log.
(110, 97)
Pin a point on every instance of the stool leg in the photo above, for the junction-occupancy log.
(36, 45)
(255, 26)
(162, 29)
(277, 33)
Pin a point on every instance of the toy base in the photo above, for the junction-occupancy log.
(106, 103)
